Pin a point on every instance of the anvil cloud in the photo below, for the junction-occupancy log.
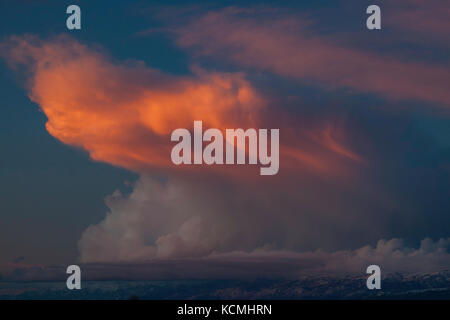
(123, 113)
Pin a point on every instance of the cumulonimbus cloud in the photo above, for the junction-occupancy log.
(123, 114)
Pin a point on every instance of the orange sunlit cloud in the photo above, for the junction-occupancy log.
(123, 114)
(287, 46)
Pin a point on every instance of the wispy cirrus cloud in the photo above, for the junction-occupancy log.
(423, 18)
(286, 44)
